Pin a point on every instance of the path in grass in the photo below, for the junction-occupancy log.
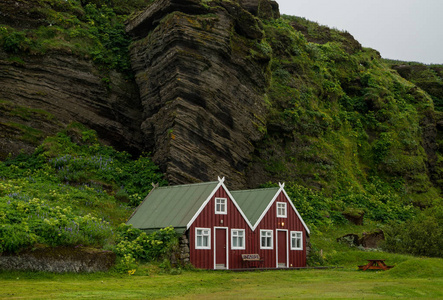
(333, 283)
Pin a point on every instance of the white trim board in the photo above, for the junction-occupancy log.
(296, 211)
(215, 246)
(282, 189)
(276, 247)
(220, 184)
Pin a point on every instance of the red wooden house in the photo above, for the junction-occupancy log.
(219, 226)
(279, 233)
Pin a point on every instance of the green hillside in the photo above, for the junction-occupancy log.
(349, 133)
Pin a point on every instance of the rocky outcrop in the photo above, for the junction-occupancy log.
(368, 240)
(202, 78)
(42, 94)
(263, 8)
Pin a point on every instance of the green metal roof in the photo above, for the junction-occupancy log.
(171, 205)
(254, 202)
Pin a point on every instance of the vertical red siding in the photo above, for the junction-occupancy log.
(297, 258)
(208, 219)
(234, 220)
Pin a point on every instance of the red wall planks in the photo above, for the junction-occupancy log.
(204, 258)
(208, 219)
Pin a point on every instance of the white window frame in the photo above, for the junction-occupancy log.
(295, 237)
(222, 205)
(268, 234)
(208, 234)
(234, 234)
(283, 207)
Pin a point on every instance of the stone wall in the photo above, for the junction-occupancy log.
(59, 260)
(184, 249)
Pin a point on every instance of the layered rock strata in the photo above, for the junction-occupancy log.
(201, 71)
(43, 94)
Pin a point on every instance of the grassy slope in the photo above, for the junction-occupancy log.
(70, 193)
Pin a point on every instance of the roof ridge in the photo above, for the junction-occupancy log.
(188, 184)
(259, 189)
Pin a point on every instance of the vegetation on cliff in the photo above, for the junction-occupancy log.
(347, 125)
(346, 130)
(89, 29)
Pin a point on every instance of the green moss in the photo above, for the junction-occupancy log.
(27, 133)
(339, 114)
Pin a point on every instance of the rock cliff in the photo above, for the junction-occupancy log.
(202, 74)
(43, 94)
(221, 88)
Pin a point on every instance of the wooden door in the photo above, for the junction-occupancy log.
(282, 249)
(220, 248)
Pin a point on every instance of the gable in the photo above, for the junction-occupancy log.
(221, 186)
(291, 207)
(256, 203)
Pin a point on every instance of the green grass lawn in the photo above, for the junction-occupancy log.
(413, 278)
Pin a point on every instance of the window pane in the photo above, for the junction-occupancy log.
(199, 241)
(205, 241)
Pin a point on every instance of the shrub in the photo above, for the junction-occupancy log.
(421, 236)
(153, 247)
(27, 221)
(15, 42)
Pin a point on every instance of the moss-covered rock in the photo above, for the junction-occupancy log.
(59, 259)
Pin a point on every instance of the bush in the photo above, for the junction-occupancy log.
(62, 194)
(28, 221)
(421, 236)
(153, 247)
(15, 42)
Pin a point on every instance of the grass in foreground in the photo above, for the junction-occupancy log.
(402, 281)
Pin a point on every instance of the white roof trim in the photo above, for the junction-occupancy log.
(266, 209)
(236, 205)
(203, 205)
(221, 183)
(282, 189)
(296, 211)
